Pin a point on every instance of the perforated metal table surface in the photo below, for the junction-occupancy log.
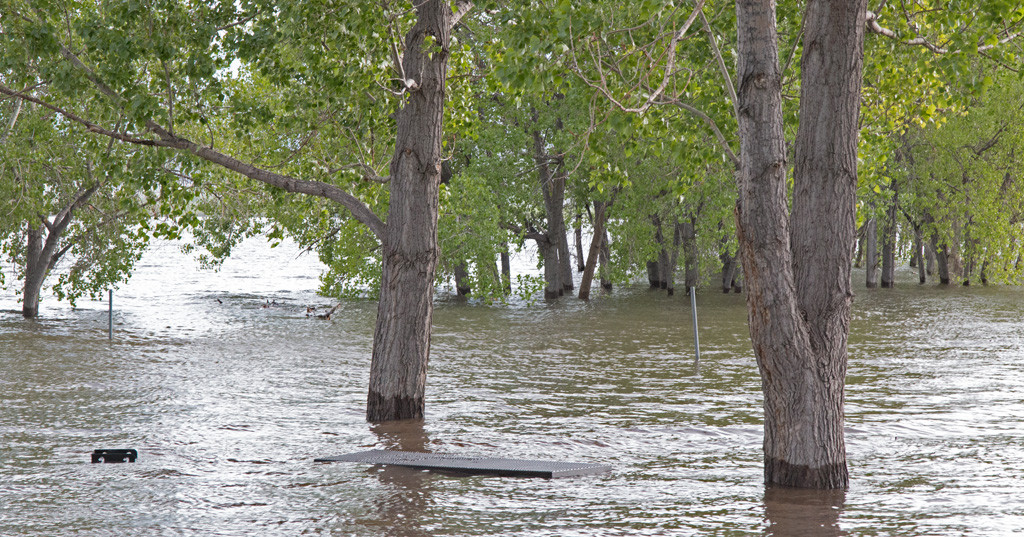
(472, 465)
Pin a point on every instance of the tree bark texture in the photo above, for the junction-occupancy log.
(401, 340)
(728, 271)
(35, 272)
(798, 276)
(557, 265)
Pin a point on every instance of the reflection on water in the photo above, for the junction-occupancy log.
(803, 513)
(229, 401)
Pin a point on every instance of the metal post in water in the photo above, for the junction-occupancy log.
(110, 315)
(696, 338)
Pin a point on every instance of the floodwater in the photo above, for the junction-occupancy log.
(228, 402)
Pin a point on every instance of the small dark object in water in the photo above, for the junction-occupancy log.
(472, 465)
(114, 455)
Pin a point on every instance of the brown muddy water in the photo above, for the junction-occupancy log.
(228, 402)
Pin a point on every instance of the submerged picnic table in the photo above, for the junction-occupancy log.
(472, 465)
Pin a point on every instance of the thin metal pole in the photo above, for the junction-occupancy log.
(110, 315)
(696, 337)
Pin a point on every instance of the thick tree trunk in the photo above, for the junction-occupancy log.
(798, 279)
(941, 262)
(888, 260)
(549, 256)
(654, 274)
(462, 286)
(871, 253)
(556, 252)
(35, 272)
(401, 340)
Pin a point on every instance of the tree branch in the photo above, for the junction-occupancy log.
(461, 8)
(358, 209)
(872, 26)
(602, 86)
(721, 66)
(714, 127)
(92, 127)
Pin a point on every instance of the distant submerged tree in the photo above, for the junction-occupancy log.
(71, 206)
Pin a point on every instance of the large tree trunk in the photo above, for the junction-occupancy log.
(557, 265)
(401, 340)
(35, 272)
(798, 279)
(552, 276)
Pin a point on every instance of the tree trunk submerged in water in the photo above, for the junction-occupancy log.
(35, 273)
(798, 279)
(401, 340)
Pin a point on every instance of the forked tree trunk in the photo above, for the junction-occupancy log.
(557, 265)
(798, 279)
(43, 253)
(401, 340)
(600, 210)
